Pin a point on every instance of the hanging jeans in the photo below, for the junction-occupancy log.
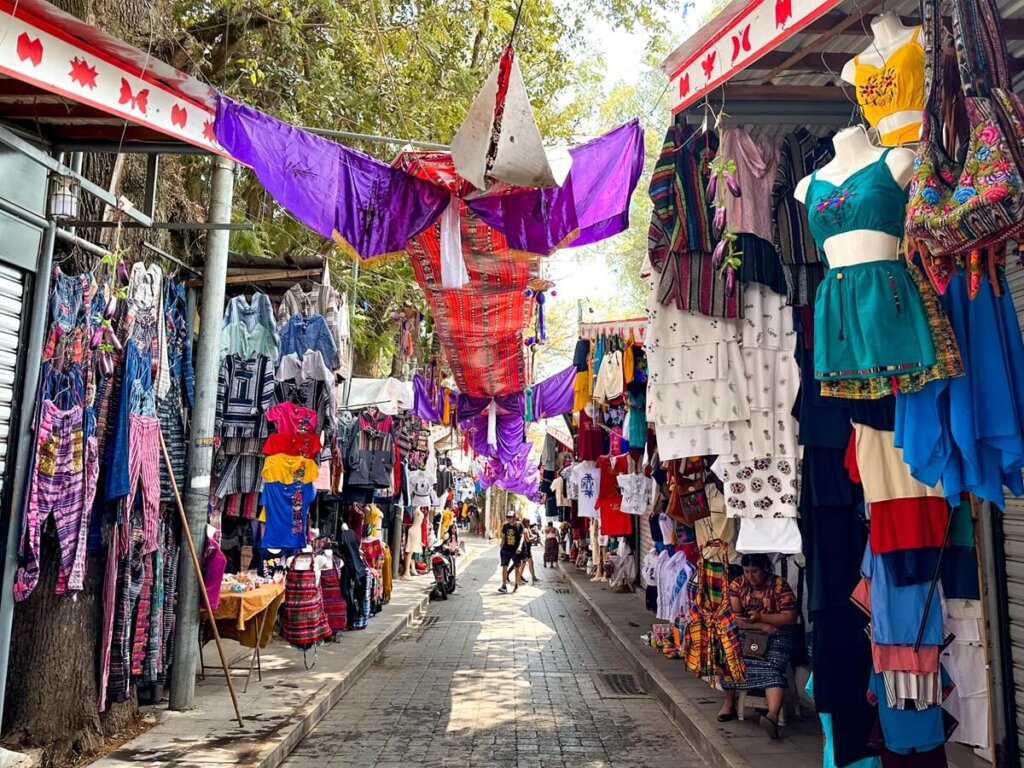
(138, 375)
(57, 487)
(144, 468)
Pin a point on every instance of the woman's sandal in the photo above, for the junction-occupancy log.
(728, 717)
(770, 727)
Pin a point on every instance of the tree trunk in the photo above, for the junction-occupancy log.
(53, 685)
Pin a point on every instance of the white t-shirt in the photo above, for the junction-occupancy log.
(768, 535)
(588, 478)
(636, 493)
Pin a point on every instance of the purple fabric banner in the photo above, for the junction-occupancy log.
(426, 405)
(592, 204)
(516, 475)
(555, 395)
(507, 464)
(367, 207)
(372, 209)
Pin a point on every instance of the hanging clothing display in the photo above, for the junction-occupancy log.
(896, 86)
(869, 316)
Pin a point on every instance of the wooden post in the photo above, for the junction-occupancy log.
(186, 534)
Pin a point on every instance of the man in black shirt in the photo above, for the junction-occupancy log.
(511, 546)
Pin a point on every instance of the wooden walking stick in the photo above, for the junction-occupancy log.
(186, 533)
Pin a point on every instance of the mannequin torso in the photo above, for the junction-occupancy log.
(890, 36)
(853, 153)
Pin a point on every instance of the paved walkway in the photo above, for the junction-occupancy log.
(497, 680)
(282, 708)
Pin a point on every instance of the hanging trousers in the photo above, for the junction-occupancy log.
(57, 487)
(144, 457)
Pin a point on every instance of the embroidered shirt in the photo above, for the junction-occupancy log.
(287, 511)
(281, 468)
(776, 596)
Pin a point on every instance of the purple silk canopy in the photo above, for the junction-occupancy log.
(591, 205)
(367, 207)
(372, 209)
(507, 463)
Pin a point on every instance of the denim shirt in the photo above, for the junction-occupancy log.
(179, 338)
(301, 334)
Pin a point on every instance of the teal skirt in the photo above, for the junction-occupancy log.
(869, 321)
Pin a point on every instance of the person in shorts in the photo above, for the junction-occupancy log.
(511, 548)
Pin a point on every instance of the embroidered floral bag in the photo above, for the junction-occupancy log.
(959, 207)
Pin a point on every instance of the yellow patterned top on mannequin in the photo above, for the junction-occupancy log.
(373, 519)
(896, 86)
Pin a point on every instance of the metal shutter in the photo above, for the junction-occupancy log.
(12, 290)
(1013, 541)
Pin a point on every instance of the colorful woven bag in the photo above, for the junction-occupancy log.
(954, 207)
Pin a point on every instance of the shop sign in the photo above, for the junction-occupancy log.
(754, 31)
(40, 52)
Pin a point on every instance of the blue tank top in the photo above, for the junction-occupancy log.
(868, 199)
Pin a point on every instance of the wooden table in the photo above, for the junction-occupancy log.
(249, 618)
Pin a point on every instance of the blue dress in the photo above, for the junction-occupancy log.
(968, 432)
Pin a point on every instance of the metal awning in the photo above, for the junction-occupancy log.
(789, 53)
(67, 82)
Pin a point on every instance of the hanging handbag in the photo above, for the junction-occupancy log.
(688, 502)
(755, 644)
(959, 207)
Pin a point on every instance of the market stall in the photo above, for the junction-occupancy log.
(825, 306)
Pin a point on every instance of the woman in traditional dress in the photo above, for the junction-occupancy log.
(763, 603)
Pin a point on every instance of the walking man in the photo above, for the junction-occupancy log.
(511, 544)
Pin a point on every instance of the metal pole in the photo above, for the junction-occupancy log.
(396, 542)
(1002, 706)
(353, 297)
(23, 451)
(200, 449)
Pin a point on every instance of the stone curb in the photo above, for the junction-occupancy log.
(703, 735)
(278, 745)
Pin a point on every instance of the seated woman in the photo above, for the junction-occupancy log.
(763, 602)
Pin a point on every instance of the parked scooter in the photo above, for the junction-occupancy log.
(442, 561)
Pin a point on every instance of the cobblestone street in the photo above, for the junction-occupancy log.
(497, 680)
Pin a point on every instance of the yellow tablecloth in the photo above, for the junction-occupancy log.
(236, 609)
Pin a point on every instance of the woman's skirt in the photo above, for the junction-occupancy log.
(550, 550)
(303, 621)
(334, 602)
(770, 671)
(869, 321)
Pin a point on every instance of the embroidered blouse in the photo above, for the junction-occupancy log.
(776, 596)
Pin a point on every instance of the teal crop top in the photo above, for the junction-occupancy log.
(868, 199)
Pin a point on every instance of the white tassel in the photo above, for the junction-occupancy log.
(453, 265)
(492, 424)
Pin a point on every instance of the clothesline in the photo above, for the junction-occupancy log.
(636, 326)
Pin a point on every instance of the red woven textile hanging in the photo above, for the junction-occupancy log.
(481, 324)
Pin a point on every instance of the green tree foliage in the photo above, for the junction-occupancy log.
(405, 68)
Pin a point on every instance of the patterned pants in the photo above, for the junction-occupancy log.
(57, 487)
(144, 460)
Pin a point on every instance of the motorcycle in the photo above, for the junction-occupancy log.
(442, 561)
